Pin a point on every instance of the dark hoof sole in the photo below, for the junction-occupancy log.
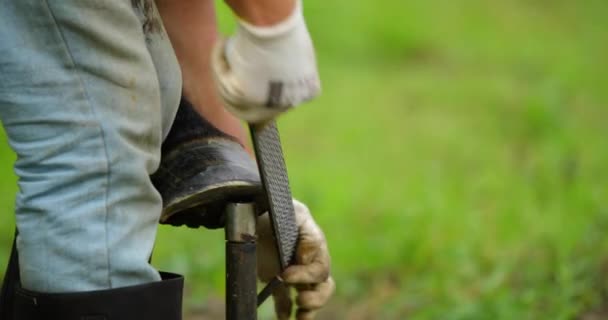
(206, 207)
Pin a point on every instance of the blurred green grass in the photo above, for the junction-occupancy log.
(457, 161)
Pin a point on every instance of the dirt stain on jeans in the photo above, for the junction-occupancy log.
(151, 21)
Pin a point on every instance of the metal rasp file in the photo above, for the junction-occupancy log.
(273, 171)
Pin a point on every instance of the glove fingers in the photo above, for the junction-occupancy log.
(317, 297)
(316, 270)
(227, 85)
(220, 64)
(282, 302)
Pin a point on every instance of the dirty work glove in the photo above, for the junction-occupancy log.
(310, 273)
(261, 72)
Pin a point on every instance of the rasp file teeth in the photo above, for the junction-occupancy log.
(273, 171)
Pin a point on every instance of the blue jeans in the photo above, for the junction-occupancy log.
(88, 89)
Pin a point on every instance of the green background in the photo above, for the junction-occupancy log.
(457, 161)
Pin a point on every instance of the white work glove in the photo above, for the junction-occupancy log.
(310, 273)
(261, 72)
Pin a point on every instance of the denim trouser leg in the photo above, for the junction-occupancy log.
(85, 97)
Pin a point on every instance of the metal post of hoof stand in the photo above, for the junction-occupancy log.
(241, 291)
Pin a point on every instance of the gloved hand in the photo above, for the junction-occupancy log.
(310, 273)
(261, 72)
